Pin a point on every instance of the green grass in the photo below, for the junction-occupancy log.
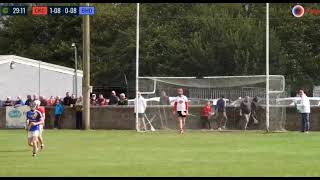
(162, 153)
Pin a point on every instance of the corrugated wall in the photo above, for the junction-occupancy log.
(24, 79)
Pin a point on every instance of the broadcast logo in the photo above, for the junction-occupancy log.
(297, 11)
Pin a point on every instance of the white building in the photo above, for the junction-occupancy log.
(23, 76)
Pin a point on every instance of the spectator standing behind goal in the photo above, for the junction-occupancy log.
(164, 99)
(254, 105)
(113, 100)
(206, 114)
(101, 100)
(222, 113)
(245, 111)
(123, 100)
(58, 111)
(140, 105)
(304, 110)
(93, 100)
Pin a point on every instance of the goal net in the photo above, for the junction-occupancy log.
(201, 90)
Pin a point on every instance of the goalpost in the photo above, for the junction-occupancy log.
(267, 76)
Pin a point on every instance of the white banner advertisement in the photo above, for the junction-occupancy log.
(16, 116)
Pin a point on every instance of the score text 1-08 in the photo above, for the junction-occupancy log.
(63, 11)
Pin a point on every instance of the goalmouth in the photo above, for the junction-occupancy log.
(213, 87)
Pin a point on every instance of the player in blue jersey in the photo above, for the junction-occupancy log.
(34, 119)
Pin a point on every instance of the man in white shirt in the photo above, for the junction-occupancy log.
(304, 110)
(141, 105)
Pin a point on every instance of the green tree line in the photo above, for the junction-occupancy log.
(193, 39)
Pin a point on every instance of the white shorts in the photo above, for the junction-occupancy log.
(33, 133)
(41, 129)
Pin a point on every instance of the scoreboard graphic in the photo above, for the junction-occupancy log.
(47, 10)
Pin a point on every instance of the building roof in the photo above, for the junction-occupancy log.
(43, 65)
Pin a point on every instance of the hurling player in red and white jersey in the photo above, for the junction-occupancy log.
(43, 116)
(181, 106)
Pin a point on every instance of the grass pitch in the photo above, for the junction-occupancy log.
(161, 153)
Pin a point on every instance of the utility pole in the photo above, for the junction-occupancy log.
(86, 70)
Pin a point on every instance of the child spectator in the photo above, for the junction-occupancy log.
(206, 114)
(58, 111)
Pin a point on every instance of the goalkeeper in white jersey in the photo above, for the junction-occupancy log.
(181, 106)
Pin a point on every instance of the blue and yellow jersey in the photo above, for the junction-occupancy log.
(34, 116)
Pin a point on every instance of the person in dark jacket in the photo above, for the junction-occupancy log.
(43, 101)
(245, 110)
(79, 108)
(67, 100)
(113, 98)
(222, 114)
(19, 102)
(28, 101)
(254, 106)
(8, 102)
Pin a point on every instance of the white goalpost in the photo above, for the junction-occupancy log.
(137, 64)
(267, 68)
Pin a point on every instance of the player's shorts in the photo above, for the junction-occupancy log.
(140, 115)
(182, 115)
(40, 129)
(33, 133)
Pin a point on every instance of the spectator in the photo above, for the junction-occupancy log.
(164, 99)
(93, 100)
(58, 111)
(51, 101)
(28, 101)
(73, 99)
(123, 100)
(140, 108)
(254, 105)
(67, 100)
(245, 110)
(79, 108)
(222, 115)
(101, 100)
(206, 114)
(113, 98)
(57, 98)
(19, 102)
(304, 110)
(43, 101)
(8, 102)
(34, 97)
